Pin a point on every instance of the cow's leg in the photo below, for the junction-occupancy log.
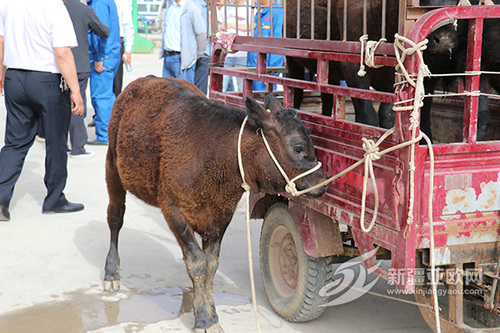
(386, 116)
(196, 265)
(296, 71)
(326, 104)
(211, 248)
(364, 111)
(483, 112)
(483, 117)
(116, 210)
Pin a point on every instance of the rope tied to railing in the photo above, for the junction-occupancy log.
(372, 153)
(418, 101)
(368, 48)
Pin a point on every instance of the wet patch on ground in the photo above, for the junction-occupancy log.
(82, 312)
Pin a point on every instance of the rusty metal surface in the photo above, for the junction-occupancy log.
(480, 253)
(320, 234)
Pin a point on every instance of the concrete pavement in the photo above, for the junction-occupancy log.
(51, 266)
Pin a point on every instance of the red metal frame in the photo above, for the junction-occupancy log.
(467, 174)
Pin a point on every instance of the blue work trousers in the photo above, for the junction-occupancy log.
(101, 93)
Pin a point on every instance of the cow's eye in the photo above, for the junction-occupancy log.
(298, 149)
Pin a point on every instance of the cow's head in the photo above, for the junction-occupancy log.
(442, 39)
(289, 141)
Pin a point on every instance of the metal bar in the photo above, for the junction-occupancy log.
(258, 18)
(344, 38)
(287, 97)
(271, 28)
(328, 19)
(209, 37)
(365, 19)
(472, 82)
(331, 56)
(213, 21)
(298, 19)
(339, 107)
(455, 297)
(225, 15)
(284, 18)
(284, 47)
(384, 18)
(325, 88)
(312, 20)
(261, 63)
(250, 19)
(322, 70)
(237, 15)
(402, 17)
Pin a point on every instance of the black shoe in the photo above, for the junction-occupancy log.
(97, 143)
(4, 213)
(67, 208)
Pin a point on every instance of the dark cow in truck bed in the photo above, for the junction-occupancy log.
(174, 149)
(437, 55)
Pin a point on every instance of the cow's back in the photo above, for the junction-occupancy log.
(163, 132)
(147, 124)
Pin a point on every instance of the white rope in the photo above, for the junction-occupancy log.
(423, 71)
(290, 184)
(246, 187)
(372, 153)
(367, 57)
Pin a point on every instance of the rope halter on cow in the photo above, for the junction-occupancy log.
(290, 183)
(290, 188)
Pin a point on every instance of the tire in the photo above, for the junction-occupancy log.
(292, 279)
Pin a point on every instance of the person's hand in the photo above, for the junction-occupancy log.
(99, 68)
(77, 104)
(127, 58)
(1, 84)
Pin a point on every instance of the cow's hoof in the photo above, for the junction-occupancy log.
(112, 285)
(215, 328)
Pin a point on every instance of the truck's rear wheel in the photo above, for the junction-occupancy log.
(292, 279)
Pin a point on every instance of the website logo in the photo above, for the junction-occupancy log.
(351, 280)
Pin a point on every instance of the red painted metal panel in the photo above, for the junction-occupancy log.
(472, 82)
(466, 205)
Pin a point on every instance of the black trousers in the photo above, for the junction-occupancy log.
(31, 97)
(118, 80)
(78, 135)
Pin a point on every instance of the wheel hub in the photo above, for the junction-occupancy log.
(288, 261)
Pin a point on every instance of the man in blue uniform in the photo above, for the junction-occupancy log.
(104, 61)
(273, 60)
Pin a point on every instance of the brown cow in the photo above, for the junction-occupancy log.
(174, 149)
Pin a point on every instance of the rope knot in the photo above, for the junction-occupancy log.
(368, 48)
(291, 188)
(371, 149)
(246, 187)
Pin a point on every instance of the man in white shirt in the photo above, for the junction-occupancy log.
(182, 18)
(35, 51)
(124, 8)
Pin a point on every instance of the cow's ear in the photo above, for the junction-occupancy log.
(256, 114)
(272, 103)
